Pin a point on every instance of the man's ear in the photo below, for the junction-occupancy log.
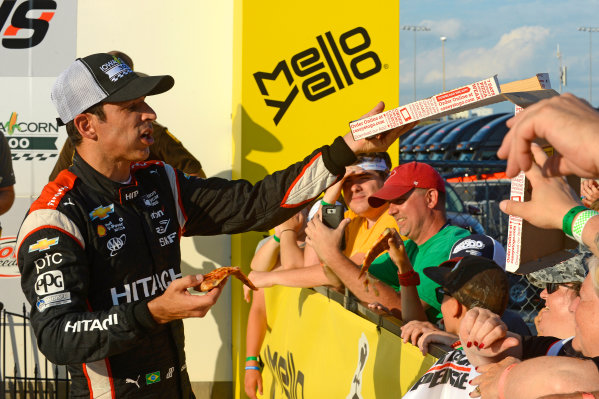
(461, 310)
(86, 126)
(453, 308)
(432, 198)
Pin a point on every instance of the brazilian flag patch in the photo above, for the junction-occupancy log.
(152, 377)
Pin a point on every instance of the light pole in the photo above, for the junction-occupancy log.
(443, 38)
(590, 29)
(415, 28)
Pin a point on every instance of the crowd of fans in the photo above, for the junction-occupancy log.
(450, 287)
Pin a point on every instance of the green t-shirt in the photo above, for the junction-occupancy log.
(432, 253)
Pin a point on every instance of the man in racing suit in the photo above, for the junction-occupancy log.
(99, 251)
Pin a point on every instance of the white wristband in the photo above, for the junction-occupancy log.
(581, 220)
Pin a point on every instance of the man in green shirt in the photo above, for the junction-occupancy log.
(416, 195)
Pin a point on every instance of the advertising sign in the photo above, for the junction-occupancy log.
(301, 73)
(306, 355)
(37, 38)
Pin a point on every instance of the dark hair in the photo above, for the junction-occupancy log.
(72, 131)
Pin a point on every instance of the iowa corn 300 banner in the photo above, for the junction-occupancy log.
(315, 348)
(302, 72)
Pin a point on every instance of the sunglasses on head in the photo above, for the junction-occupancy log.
(441, 292)
(552, 287)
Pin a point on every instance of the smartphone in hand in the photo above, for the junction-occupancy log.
(332, 215)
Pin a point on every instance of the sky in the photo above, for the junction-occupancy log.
(511, 39)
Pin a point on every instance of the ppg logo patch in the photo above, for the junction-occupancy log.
(49, 283)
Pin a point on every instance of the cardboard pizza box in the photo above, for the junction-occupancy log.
(485, 92)
(530, 248)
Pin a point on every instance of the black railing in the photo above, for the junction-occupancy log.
(19, 349)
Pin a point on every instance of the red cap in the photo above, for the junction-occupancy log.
(404, 178)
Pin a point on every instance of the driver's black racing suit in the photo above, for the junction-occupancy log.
(93, 252)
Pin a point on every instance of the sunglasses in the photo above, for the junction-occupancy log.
(552, 287)
(441, 292)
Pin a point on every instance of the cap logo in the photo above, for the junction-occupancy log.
(468, 244)
(415, 183)
(115, 69)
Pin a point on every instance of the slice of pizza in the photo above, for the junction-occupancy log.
(216, 277)
(379, 246)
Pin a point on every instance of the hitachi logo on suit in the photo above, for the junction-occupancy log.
(91, 325)
(144, 287)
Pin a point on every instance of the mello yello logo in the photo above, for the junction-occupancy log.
(322, 70)
(21, 17)
(285, 373)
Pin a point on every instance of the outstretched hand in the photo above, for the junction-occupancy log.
(379, 142)
(177, 303)
(551, 197)
(568, 123)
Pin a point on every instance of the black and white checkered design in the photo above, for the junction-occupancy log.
(30, 156)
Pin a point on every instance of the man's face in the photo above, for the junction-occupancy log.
(556, 319)
(410, 211)
(126, 134)
(357, 188)
(586, 309)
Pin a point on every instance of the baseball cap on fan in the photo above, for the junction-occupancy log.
(473, 281)
(404, 178)
(479, 245)
(101, 78)
(571, 270)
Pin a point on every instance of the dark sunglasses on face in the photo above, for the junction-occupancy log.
(552, 287)
(441, 292)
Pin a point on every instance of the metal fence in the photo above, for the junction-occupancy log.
(26, 373)
(480, 200)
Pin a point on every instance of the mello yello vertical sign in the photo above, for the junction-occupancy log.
(302, 72)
